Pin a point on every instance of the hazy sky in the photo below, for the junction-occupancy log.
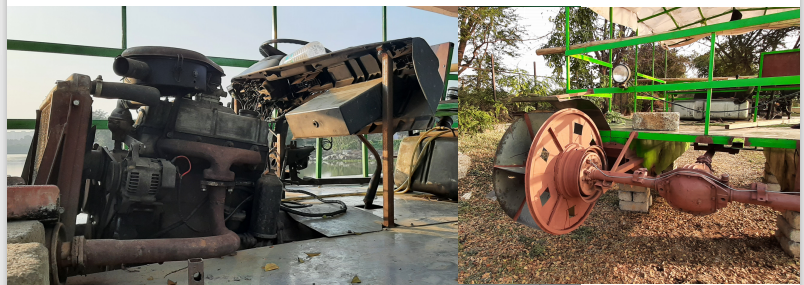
(234, 32)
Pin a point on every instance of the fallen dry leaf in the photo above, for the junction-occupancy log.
(311, 254)
(271, 266)
(170, 282)
(355, 280)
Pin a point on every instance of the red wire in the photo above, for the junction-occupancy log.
(188, 163)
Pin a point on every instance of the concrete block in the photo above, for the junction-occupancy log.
(790, 247)
(464, 161)
(633, 206)
(792, 218)
(642, 197)
(769, 178)
(658, 121)
(631, 188)
(625, 195)
(787, 229)
(28, 264)
(25, 232)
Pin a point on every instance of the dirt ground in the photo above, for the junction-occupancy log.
(734, 245)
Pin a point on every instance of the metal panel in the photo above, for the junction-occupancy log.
(781, 64)
(338, 111)
(353, 221)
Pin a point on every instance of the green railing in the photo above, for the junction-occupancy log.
(32, 46)
(682, 88)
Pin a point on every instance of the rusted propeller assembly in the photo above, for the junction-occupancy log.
(550, 169)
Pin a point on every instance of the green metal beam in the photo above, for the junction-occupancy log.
(666, 11)
(592, 60)
(567, 42)
(102, 51)
(125, 29)
(276, 28)
(452, 77)
(782, 80)
(709, 91)
(650, 77)
(760, 20)
(671, 17)
(611, 52)
(622, 136)
(30, 124)
(62, 48)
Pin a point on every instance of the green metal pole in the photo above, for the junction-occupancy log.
(125, 33)
(666, 106)
(611, 51)
(652, 72)
(709, 91)
(276, 34)
(318, 160)
(567, 42)
(636, 70)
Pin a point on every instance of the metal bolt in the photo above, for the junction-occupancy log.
(76, 102)
(203, 188)
(230, 190)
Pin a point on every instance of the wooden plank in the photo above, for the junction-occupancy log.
(763, 123)
(553, 98)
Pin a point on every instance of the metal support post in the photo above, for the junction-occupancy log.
(387, 139)
(125, 33)
(652, 72)
(611, 53)
(636, 71)
(709, 91)
(567, 43)
(666, 106)
(318, 160)
(276, 32)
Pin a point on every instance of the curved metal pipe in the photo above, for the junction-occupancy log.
(371, 192)
(114, 252)
(133, 68)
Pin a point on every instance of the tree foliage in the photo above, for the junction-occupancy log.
(484, 28)
(587, 26)
(739, 55)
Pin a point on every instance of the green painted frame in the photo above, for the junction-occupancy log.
(708, 86)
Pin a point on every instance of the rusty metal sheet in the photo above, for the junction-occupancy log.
(781, 64)
(33, 202)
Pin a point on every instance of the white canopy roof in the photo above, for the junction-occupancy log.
(654, 20)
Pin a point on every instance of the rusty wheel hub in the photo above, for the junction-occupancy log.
(549, 188)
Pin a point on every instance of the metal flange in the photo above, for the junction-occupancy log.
(541, 167)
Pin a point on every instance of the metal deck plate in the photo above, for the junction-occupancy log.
(422, 255)
(355, 220)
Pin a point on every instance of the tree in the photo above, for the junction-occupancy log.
(587, 26)
(739, 55)
(482, 28)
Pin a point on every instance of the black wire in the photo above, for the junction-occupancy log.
(290, 209)
(238, 208)
(179, 223)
